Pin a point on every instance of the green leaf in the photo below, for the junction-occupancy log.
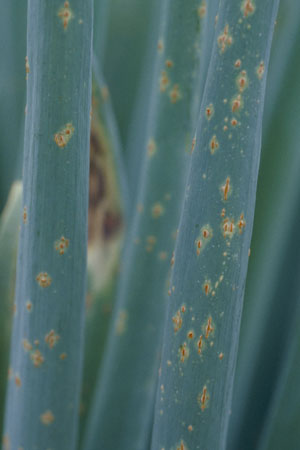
(211, 256)
(43, 392)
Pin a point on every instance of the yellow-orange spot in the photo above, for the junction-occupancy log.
(63, 136)
(221, 355)
(18, 381)
(260, 70)
(169, 63)
(26, 344)
(27, 68)
(177, 320)
(65, 14)
(173, 259)
(200, 344)
(183, 352)
(190, 427)
(151, 147)
(233, 122)
(193, 144)
(63, 356)
(37, 358)
(181, 446)
(61, 245)
(209, 328)
(236, 103)
(223, 212)
(191, 334)
(238, 63)
(24, 215)
(28, 306)
(226, 189)
(183, 308)
(225, 39)
(43, 279)
(242, 81)
(164, 81)
(202, 9)
(213, 144)
(198, 246)
(209, 111)
(175, 94)
(203, 398)
(157, 210)
(247, 8)
(207, 287)
(160, 45)
(241, 223)
(52, 339)
(47, 418)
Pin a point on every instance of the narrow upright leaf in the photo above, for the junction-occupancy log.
(45, 366)
(211, 256)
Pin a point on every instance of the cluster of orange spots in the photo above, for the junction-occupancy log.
(236, 103)
(63, 136)
(43, 279)
(28, 306)
(61, 245)
(223, 212)
(37, 358)
(65, 14)
(160, 45)
(203, 398)
(198, 246)
(221, 356)
(157, 210)
(260, 70)
(247, 8)
(209, 328)
(228, 227)
(200, 344)
(226, 189)
(24, 215)
(202, 9)
(238, 63)
(177, 320)
(207, 287)
(233, 122)
(52, 339)
(183, 352)
(169, 63)
(193, 143)
(209, 111)
(213, 144)
(173, 259)
(47, 418)
(151, 241)
(164, 81)
(225, 39)
(241, 223)
(191, 334)
(151, 147)
(175, 94)
(27, 68)
(242, 81)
